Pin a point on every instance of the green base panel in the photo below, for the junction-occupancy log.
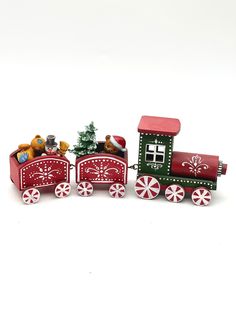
(185, 182)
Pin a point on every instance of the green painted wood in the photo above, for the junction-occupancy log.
(155, 167)
(185, 182)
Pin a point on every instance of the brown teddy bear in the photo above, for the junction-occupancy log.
(28, 152)
(114, 144)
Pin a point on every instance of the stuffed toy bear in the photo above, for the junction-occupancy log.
(114, 144)
(28, 152)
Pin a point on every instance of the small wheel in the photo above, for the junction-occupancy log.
(147, 187)
(30, 196)
(117, 190)
(62, 189)
(85, 188)
(174, 193)
(201, 196)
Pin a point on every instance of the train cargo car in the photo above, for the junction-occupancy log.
(40, 173)
(102, 169)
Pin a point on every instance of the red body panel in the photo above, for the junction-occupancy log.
(194, 165)
(14, 173)
(102, 168)
(41, 171)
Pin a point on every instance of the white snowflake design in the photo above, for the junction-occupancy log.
(44, 173)
(195, 165)
(101, 172)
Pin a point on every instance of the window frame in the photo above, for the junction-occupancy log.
(155, 153)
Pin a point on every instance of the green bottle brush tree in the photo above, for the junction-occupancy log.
(86, 142)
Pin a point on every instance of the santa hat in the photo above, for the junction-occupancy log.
(118, 142)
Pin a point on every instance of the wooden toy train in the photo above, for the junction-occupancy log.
(159, 169)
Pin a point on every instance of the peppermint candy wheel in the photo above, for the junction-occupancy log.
(201, 196)
(62, 189)
(117, 190)
(85, 188)
(147, 187)
(174, 193)
(30, 196)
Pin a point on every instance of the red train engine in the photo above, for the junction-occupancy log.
(174, 173)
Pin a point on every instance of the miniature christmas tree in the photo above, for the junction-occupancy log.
(86, 143)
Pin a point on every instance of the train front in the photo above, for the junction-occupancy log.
(197, 166)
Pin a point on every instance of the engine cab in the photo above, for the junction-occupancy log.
(156, 144)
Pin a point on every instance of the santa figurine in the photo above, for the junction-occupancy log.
(114, 144)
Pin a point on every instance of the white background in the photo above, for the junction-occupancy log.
(65, 63)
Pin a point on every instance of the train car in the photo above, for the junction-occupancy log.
(41, 173)
(102, 169)
(174, 173)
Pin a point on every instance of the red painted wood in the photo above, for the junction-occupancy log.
(42, 171)
(201, 196)
(224, 168)
(175, 193)
(159, 125)
(14, 172)
(194, 165)
(102, 168)
(117, 190)
(147, 187)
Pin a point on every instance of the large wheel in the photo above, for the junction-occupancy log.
(30, 196)
(85, 188)
(117, 190)
(174, 193)
(201, 196)
(62, 189)
(147, 187)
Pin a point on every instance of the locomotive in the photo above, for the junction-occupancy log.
(159, 169)
(175, 173)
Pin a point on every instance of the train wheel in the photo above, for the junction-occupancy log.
(174, 193)
(147, 187)
(62, 189)
(201, 196)
(117, 190)
(85, 188)
(30, 196)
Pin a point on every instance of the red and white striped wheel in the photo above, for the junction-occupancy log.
(201, 196)
(117, 190)
(147, 187)
(62, 189)
(85, 188)
(174, 193)
(31, 196)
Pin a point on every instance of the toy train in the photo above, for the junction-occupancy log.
(159, 169)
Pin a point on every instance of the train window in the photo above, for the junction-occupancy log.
(155, 153)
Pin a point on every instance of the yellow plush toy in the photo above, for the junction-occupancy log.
(28, 152)
(63, 148)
